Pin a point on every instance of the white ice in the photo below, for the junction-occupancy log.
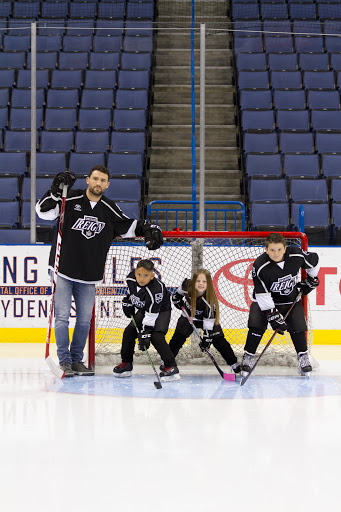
(197, 445)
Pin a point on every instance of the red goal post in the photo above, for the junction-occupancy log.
(227, 255)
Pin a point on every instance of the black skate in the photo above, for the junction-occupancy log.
(304, 367)
(247, 364)
(123, 370)
(236, 368)
(170, 373)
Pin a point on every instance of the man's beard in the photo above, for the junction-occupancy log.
(96, 192)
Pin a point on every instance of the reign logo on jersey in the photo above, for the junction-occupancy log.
(284, 285)
(138, 303)
(89, 226)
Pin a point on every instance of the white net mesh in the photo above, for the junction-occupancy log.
(229, 260)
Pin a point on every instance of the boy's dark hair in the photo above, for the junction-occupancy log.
(100, 168)
(275, 238)
(146, 264)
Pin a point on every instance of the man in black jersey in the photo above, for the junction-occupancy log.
(91, 222)
(276, 284)
(148, 301)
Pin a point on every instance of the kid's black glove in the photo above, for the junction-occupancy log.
(276, 320)
(63, 178)
(128, 308)
(152, 234)
(308, 285)
(145, 337)
(178, 300)
(206, 340)
(186, 284)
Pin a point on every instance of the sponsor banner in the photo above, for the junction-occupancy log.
(25, 287)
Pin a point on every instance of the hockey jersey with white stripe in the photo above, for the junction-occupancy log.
(152, 298)
(87, 233)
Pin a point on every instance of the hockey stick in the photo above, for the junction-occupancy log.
(158, 384)
(226, 376)
(244, 379)
(49, 361)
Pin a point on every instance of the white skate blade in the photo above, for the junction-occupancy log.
(170, 378)
(122, 375)
(244, 374)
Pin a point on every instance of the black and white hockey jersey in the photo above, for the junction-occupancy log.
(203, 310)
(88, 231)
(152, 298)
(276, 283)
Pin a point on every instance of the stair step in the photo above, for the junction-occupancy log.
(181, 158)
(178, 75)
(181, 136)
(182, 114)
(215, 57)
(214, 94)
(176, 40)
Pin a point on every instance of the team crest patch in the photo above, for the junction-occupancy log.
(89, 226)
(78, 208)
(158, 298)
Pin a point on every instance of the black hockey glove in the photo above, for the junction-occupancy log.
(152, 234)
(128, 308)
(63, 178)
(308, 285)
(178, 300)
(276, 320)
(206, 340)
(145, 337)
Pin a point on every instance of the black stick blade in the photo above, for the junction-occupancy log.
(157, 385)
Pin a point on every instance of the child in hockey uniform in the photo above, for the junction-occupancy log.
(150, 297)
(276, 285)
(198, 297)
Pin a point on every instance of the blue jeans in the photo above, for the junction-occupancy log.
(84, 295)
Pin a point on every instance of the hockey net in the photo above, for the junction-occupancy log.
(227, 255)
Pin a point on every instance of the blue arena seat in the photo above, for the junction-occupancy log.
(266, 217)
(3, 117)
(336, 219)
(258, 120)
(251, 61)
(104, 60)
(139, 28)
(22, 98)
(268, 190)
(60, 118)
(141, 10)
(297, 120)
(282, 61)
(9, 214)
(263, 165)
(54, 10)
(16, 43)
(73, 60)
(81, 163)
(12, 164)
(42, 186)
(131, 209)
(329, 120)
(15, 236)
(125, 163)
(286, 80)
(50, 164)
(301, 166)
(5, 9)
(111, 10)
(128, 141)
(323, 100)
(314, 61)
(18, 140)
(308, 190)
(9, 189)
(276, 44)
(102, 43)
(129, 79)
(62, 98)
(129, 119)
(137, 44)
(4, 97)
(77, 27)
(66, 79)
(26, 218)
(136, 60)
(255, 99)
(29, 9)
(53, 141)
(132, 98)
(335, 190)
(45, 60)
(20, 118)
(44, 26)
(260, 143)
(302, 11)
(289, 99)
(47, 43)
(309, 43)
(92, 142)
(272, 11)
(328, 142)
(12, 60)
(329, 11)
(124, 189)
(109, 27)
(7, 78)
(242, 11)
(253, 80)
(79, 43)
(83, 10)
(295, 142)
(335, 61)
(252, 43)
(97, 98)
(319, 80)
(331, 165)
(100, 79)
(24, 78)
(94, 119)
(316, 215)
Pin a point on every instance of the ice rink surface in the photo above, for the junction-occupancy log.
(200, 444)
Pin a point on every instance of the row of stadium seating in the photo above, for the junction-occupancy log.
(272, 43)
(283, 10)
(65, 9)
(312, 61)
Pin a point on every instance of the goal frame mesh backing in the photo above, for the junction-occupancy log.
(231, 276)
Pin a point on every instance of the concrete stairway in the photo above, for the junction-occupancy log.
(170, 158)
